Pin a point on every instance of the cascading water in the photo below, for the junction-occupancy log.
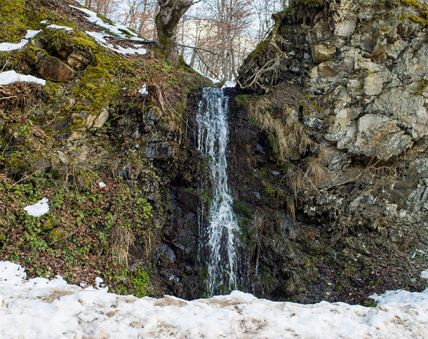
(218, 232)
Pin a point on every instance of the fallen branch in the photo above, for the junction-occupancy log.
(198, 49)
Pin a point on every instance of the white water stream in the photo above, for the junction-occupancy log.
(221, 226)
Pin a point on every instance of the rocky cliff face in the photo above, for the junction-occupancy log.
(331, 136)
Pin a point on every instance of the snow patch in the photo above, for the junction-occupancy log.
(10, 77)
(99, 284)
(39, 209)
(10, 46)
(41, 308)
(102, 185)
(113, 31)
(424, 274)
(144, 90)
(31, 34)
(116, 29)
(229, 84)
(65, 28)
(101, 39)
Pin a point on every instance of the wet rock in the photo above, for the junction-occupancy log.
(163, 150)
(151, 117)
(168, 252)
(51, 68)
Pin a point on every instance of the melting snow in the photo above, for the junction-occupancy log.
(144, 90)
(39, 308)
(10, 77)
(116, 29)
(424, 274)
(65, 28)
(39, 209)
(229, 84)
(10, 46)
(31, 34)
(101, 39)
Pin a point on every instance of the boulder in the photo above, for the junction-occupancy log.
(346, 28)
(101, 119)
(77, 61)
(380, 136)
(53, 69)
(373, 85)
(325, 70)
(322, 52)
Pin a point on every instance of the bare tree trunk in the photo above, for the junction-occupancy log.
(167, 19)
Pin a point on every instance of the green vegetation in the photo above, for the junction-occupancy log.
(17, 16)
(12, 20)
(422, 87)
(47, 150)
(128, 282)
(421, 8)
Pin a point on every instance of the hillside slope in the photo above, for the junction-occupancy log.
(102, 141)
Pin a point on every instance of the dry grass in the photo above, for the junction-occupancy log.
(122, 239)
(295, 179)
(315, 170)
(288, 137)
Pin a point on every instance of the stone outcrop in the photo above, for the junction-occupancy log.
(51, 68)
(343, 119)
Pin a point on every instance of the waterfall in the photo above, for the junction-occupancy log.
(218, 232)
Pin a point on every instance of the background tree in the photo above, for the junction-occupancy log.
(167, 19)
(213, 36)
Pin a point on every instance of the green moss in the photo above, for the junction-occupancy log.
(98, 86)
(242, 99)
(422, 87)
(369, 303)
(421, 8)
(17, 16)
(127, 282)
(242, 209)
(416, 19)
(416, 4)
(12, 19)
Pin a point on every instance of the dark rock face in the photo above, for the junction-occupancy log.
(329, 154)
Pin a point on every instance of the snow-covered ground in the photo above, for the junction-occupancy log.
(39, 308)
(11, 77)
(114, 30)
